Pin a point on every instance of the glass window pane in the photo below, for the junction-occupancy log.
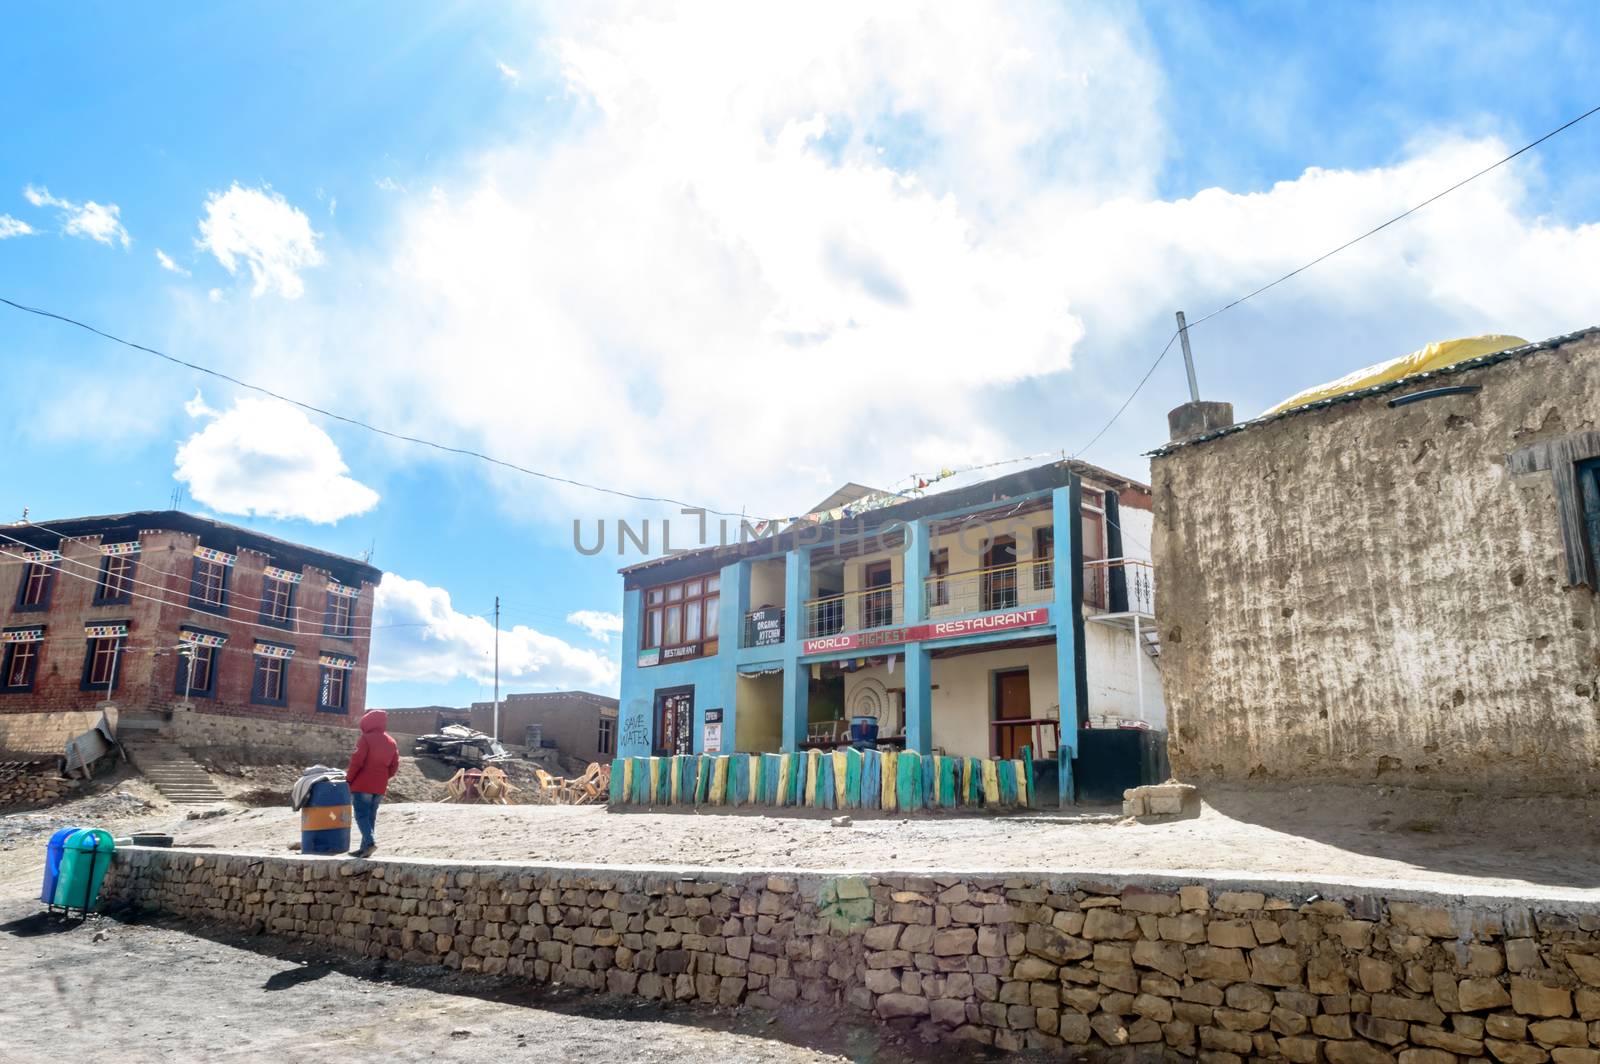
(712, 604)
(691, 621)
(652, 636)
(674, 625)
(656, 594)
(675, 593)
(713, 583)
(692, 589)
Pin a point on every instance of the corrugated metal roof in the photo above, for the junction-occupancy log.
(1382, 389)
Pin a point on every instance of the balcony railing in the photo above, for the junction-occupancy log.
(1029, 582)
(1139, 578)
(873, 607)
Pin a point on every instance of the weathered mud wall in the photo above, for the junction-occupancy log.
(1161, 969)
(1365, 591)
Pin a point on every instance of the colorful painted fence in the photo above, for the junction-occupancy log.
(817, 779)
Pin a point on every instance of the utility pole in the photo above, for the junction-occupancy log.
(497, 667)
(1188, 358)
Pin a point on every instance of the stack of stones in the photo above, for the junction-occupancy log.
(25, 785)
(1124, 971)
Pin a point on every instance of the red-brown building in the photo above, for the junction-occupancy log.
(157, 610)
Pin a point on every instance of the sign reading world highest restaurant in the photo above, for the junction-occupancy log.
(913, 633)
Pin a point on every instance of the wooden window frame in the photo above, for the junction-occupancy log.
(330, 678)
(8, 662)
(93, 653)
(115, 585)
(660, 599)
(606, 741)
(331, 626)
(1044, 549)
(272, 591)
(200, 585)
(264, 666)
(46, 582)
(939, 573)
(181, 682)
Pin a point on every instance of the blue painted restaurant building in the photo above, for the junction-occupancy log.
(1009, 614)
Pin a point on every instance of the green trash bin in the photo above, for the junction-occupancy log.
(85, 859)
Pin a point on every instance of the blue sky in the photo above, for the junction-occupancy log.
(730, 255)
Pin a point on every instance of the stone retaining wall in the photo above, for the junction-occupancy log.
(1148, 969)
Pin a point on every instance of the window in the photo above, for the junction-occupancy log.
(270, 685)
(877, 605)
(101, 664)
(1044, 553)
(197, 671)
(683, 615)
(1589, 493)
(334, 688)
(209, 588)
(20, 661)
(938, 570)
(337, 623)
(999, 584)
(116, 580)
(277, 601)
(34, 593)
(607, 743)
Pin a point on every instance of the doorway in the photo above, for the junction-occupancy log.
(1000, 574)
(877, 606)
(1011, 702)
(674, 722)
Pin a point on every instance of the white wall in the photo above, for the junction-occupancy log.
(1111, 656)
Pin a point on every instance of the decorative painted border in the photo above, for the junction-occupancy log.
(272, 572)
(104, 631)
(336, 661)
(202, 639)
(115, 550)
(336, 588)
(22, 635)
(39, 555)
(207, 554)
(273, 650)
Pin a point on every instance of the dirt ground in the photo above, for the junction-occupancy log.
(149, 992)
(1326, 833)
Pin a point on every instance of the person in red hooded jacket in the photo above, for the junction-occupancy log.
(372, 766)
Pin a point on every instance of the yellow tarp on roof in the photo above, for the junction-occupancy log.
(1436, 355)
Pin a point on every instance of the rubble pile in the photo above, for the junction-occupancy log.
(27, 784)
(1037, 961)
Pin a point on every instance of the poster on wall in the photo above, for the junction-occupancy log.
(711, 735)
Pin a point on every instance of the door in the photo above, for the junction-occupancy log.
(999, 584)
(877, 605)
(674, 722)
(1011, 702)
(1096, 582)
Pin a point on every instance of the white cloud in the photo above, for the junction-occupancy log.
(10, 227)
(785, 248)
(167, 264)
(597, 623)
(99, 222)
(420, 636)
(272, 237)
(266, 458)
(510, 73)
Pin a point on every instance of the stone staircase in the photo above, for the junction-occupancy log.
(173, 772)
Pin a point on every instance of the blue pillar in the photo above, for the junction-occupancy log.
(914, 573)
(634, 719)
(919, 699)
(730, 636)
(1068, 619)
(796, 677)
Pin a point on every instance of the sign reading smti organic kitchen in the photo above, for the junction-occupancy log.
(911, 633)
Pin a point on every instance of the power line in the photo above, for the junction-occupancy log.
(358, 423)
(1328, 255)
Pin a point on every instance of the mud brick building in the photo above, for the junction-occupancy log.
(579, 725)
(162, 614)
(1397, 582)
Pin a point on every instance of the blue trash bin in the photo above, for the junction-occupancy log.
(325, 818)
(52, 864)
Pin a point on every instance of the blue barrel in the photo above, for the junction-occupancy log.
(325, 819)
(52, 864)
(863, 730)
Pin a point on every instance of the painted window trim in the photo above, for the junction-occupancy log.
(179, 686)
(328, 629)
(43, 605)
(100, 597)
(256, 673)
(33, 668)
(708, 646)
(287, 623)
(322, 685)
(198, 603)
(110, 688)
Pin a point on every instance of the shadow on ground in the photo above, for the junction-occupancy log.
(821, 1028)
(1544, 839)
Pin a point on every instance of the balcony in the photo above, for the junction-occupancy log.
(1028, 582)
(1139, 578)
(874, 607)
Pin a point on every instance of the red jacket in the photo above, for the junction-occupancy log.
(376, 759)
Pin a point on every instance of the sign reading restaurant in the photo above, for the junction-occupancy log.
(912, 633)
